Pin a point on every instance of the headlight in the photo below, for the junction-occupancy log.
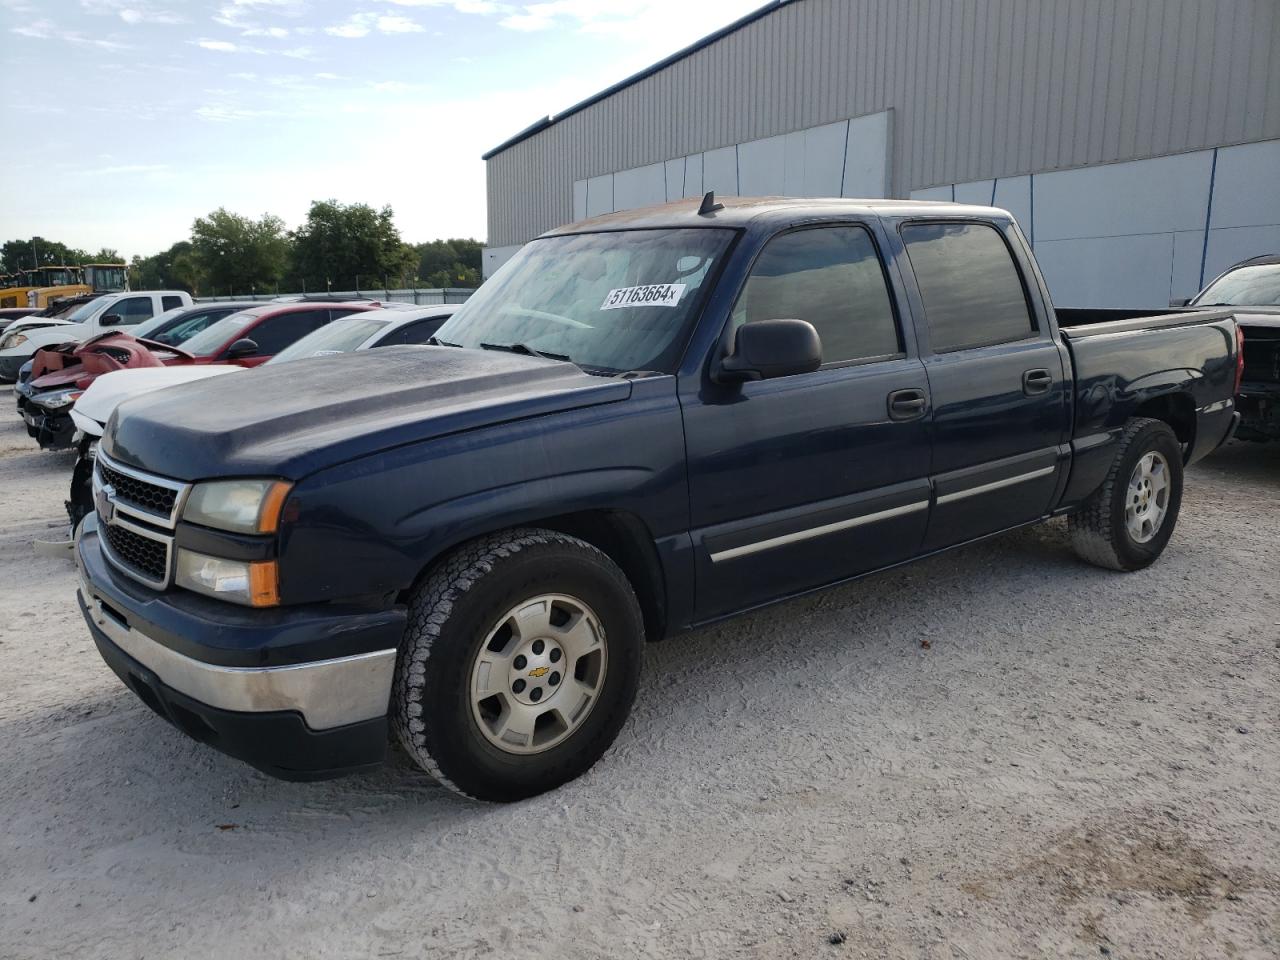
(254, 584)
(13, 340)
(58, 400)
(238, 506)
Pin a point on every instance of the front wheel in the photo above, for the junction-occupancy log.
(1127, 522)
(520, 663)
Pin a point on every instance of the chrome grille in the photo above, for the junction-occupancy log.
(138, 554)
(137, 513)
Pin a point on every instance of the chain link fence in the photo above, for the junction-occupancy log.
(421, 296)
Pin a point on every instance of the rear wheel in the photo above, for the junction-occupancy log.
(1127, 522)
(520, 664)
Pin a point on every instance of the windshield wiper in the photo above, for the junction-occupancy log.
(437, 342)
(525, 350)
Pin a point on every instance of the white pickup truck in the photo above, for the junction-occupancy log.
(112, 311)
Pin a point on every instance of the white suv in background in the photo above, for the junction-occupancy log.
(110, 312)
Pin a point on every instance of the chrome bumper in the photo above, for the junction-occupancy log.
(328, 693)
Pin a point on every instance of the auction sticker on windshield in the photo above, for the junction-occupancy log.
(650, 295)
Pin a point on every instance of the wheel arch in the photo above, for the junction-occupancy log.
(1178, 410)
(622, 536)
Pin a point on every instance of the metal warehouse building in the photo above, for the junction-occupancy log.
(1136, 141)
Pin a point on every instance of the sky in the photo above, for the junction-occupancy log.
(127, 119)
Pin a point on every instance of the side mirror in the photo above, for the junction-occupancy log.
(771, 348)
(244, 347)
(1179, 301)
(111, 320)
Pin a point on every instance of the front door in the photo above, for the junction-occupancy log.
(1001, 396)
(804, 480)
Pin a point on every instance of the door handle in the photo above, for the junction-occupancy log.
(1036, 381)
(907, 404)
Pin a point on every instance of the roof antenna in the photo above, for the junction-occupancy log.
(709, 204)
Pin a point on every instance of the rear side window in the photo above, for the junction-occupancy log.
(973, 296)
(132, 310)
(171, 303)
(275, 333)
(420, 331)
(832, 278)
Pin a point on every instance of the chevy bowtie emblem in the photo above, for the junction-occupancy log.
(107, 503)
(537, 672)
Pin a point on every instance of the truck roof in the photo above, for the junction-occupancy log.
(741, 212)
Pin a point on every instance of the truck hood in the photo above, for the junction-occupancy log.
(111, 389)
(291, 419)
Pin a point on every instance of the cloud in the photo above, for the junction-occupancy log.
(131, 168)
(362, 24)
(221, 46)
(48, 30)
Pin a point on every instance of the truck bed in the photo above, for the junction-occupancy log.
(1185, 376)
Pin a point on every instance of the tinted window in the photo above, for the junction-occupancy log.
(972, 293)
(171, 303)
(183, 328)
(832, 278)
(420, 331)
(275, 333)
(341, 337)
(131, 310)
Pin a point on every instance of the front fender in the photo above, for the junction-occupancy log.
(371, 526)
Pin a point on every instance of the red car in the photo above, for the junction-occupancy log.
(246, 339)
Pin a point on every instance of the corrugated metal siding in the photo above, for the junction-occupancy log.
(982, 88)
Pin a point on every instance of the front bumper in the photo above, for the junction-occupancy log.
(298, 720)
(53, 431)
(10, 364)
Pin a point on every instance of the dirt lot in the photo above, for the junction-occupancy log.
(998, 753)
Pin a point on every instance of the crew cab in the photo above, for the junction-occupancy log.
(642, 423)
(112, 311)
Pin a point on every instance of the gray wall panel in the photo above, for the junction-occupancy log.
(1246, 189)
(1014, 194)
(1107, 271)
(979, 89)
(824, 149)
(1229, 245)
(762, 166)
(720, 171)
(1142, 196)
(641, 187)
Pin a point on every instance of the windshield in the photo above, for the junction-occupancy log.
(83, 311)
(607, 301)
(212, 338)
(147, 327)
(343, 336)
(1256, 286)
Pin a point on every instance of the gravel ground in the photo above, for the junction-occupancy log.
(996, 753)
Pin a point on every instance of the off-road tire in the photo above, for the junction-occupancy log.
(450, 615)
(1098, 531)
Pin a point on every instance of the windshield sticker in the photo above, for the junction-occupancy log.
(650, 295)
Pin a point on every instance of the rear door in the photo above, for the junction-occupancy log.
(1000, 394)
(800, 481)
(276, 332)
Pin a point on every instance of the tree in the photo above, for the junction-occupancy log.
(236, 254)
(37, 252)
(106, 255)
(174, 269)
(450, 263)
(342, 246)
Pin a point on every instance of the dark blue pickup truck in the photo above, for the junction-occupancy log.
(642, 423)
